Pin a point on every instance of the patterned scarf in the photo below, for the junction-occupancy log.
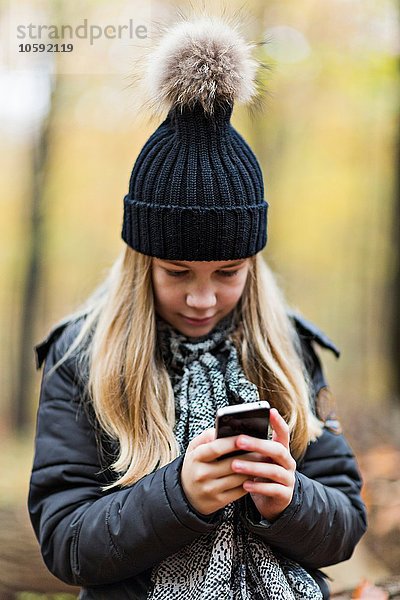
(229, 563)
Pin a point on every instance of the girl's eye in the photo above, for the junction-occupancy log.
(228, 273)
(176, 273)
(181, 273)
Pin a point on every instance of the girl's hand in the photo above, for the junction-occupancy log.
(210, 484)
(273, 477)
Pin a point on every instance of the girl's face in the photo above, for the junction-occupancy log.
(193, 296)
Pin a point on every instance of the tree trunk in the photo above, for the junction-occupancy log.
(20, 414)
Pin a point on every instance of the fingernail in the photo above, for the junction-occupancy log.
(238, 464)
(243, 442)
(248, 485)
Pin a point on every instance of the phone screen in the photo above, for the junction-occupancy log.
(253, 422)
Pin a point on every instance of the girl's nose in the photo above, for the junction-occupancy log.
(201, 299)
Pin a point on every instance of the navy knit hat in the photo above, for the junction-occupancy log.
(196, 190)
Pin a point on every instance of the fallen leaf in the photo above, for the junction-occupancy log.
(367, 591)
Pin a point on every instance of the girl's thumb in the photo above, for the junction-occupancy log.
(208, 435)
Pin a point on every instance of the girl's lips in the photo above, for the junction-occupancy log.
(198, 321)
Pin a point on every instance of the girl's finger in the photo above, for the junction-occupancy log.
(208, 435)
(216, 448)
(270, 449)
(280, 428)
(273, 472)
(234, 494)
(230, 482)
(272, 490)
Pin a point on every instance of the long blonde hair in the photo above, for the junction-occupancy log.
(129, 385)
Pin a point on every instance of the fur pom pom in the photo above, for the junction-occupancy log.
(205, 61)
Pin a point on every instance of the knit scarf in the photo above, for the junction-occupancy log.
(229, 563)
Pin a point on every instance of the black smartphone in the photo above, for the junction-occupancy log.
(251, 418)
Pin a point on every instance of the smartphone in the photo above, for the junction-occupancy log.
(250, 418)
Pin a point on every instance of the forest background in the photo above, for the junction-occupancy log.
(72, 124)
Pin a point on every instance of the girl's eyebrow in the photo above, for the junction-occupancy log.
(234, 264)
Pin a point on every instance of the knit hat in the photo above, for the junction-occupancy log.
(196, 189)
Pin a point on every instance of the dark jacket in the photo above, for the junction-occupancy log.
(107, 542)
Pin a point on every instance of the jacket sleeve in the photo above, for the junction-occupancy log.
(87, 536)
(326, 517)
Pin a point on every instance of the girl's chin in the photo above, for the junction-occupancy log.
(195, 331)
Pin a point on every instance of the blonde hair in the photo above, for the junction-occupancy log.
(130, 388)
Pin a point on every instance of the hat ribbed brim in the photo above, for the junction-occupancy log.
(194, 233)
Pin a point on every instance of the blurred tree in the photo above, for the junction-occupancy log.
(394, 324)
(40, 145)
(394, 315)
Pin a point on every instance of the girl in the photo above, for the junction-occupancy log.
(130, 495)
